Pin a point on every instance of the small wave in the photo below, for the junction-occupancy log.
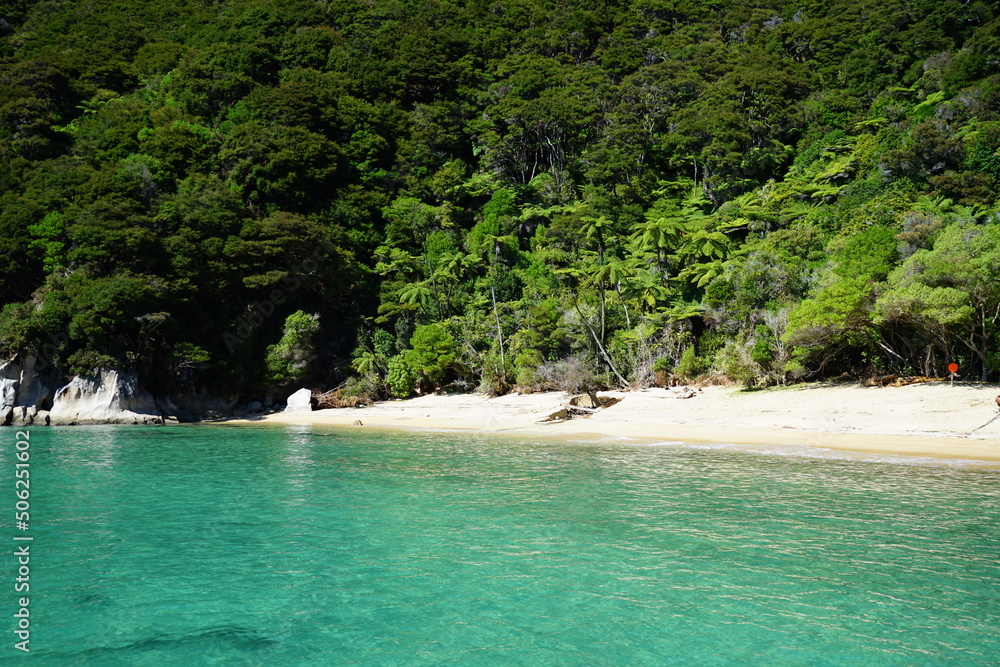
(656, 443)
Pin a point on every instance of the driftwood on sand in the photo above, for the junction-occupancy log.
(580, 406)
(681, 392)
(590, 403)
(897, 380)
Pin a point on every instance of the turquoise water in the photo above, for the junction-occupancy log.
(307, 546)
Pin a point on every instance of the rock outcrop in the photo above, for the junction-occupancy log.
(35, 392)
(36, 387)
(109, 397)
(24, 392)
(591, 401)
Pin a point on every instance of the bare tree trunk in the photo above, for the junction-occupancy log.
(496, 314)
(888, 349)
(600, 347)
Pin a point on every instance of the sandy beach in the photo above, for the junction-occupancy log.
(928, 420)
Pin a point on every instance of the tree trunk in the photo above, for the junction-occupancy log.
(600, 347)
(496, 313)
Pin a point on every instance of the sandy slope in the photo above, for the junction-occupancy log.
(932, 419)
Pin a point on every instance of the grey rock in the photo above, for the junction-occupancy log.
(36, 389)
(11, 369)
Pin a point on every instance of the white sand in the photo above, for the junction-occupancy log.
(931, 419)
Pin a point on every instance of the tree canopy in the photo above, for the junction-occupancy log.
(408, 195)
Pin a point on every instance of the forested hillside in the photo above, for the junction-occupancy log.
(410, 194)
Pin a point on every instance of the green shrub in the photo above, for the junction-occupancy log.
(689, 366)
(85, 362)
(526, 370)
(663, 365)
(491, 380)
(735, 360)
(289, 358)
(400, 377)
(433, 353)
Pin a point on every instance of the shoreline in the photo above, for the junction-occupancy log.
(930, 420)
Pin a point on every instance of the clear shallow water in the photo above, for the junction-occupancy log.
(297, 546)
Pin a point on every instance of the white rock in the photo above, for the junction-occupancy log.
(300, 401)
(106, 398)
(23, 415)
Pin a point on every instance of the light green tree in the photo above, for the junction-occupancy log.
(289, 358)
(433, 353)
(952, 290)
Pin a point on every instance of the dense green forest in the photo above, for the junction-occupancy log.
(392, 196)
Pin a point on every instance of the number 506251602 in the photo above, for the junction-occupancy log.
(22, 483)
